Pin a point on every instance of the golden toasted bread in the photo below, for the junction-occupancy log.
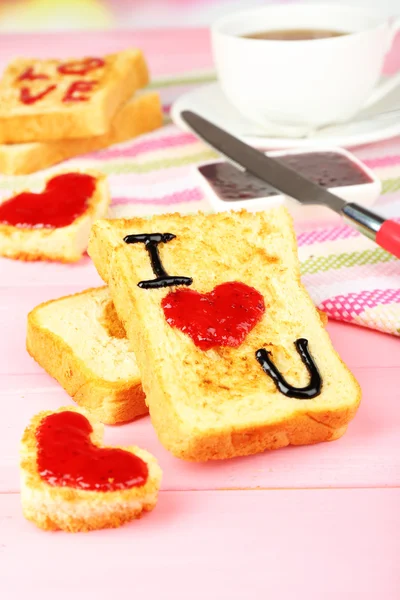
(141, 114)
(55, 502)
(43, 100)
(19, 240)
(226, 401)
(80, 341)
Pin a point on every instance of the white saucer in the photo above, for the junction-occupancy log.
(210, 102)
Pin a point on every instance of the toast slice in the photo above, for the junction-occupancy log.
(142, 114)
(80, 342)
(24, 237)
(53, 499)
(220, 403)
(43, 100)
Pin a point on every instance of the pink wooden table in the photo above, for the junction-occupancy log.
(319, 522)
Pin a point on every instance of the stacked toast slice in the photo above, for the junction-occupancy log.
(80, 341)
(280, 383)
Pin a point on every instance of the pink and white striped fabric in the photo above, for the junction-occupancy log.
(348, 277)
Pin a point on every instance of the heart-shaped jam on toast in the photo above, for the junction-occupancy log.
(222, 317)
(66, 457)
(64, 199)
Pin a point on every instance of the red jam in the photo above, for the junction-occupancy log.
(30, 74)
(27, 97)
(222, 317)
(76, 91)
(66, 457)
(63, 200)
(81, 67)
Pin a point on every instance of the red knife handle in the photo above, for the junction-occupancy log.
(384, 232)
(388, 237)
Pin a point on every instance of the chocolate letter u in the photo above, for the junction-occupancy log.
(311, 390)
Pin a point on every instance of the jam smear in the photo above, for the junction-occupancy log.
(63, 200)
(30, 74)
(77, 91)
(222, 317)
(81, 67)
(27, 97)
(66, 457)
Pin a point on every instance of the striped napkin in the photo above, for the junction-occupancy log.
(348, 276)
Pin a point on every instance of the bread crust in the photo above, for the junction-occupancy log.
(62, 244)
(323, 316)
(51, 118)
(205, 427)
(110, 402)
(140, 115)
(74, 510)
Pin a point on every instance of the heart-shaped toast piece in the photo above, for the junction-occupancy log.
(64, 199)
(54, 224)
(222, 317)
(70, 481)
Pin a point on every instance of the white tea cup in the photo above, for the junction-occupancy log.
(303, 84)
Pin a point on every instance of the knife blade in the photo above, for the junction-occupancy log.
(386, 233)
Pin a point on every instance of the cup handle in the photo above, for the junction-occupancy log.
(389, 83)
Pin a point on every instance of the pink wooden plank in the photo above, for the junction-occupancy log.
(362, 347)
(367, 456)
(317, 545)
(15, 305)
(168, 50)
(20, 274)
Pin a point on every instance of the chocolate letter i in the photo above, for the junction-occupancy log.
(151, 241)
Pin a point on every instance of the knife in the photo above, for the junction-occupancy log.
(385, 232)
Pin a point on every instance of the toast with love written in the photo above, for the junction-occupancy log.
(42, 100)
(233, 356)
